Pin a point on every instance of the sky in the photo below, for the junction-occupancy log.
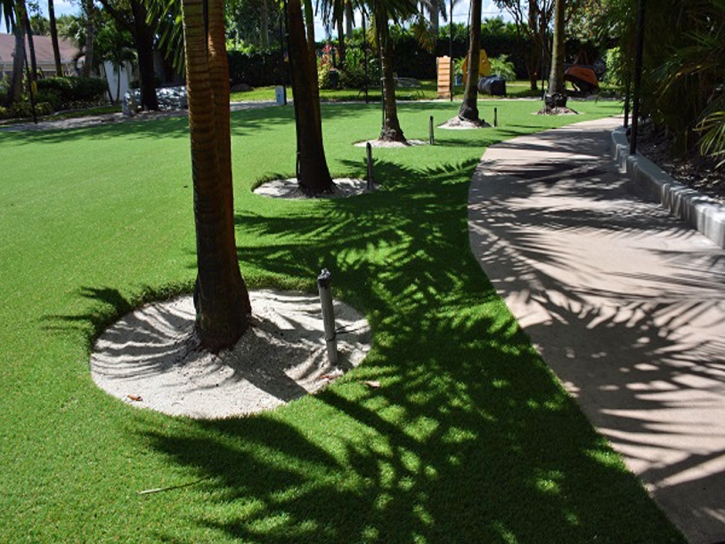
(460, 13)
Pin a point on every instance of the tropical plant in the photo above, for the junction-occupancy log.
(132, 16)
(469, 107)
(384, 11)
(532, 20)
(221, 298)
(502, 67)
(556, 91)
(702, 59)
(53, 31)
(313, 174)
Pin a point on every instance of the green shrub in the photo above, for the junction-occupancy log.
(74, 90)
(22, 110)
(353, 74)
(4, 113)
(327, 75)
(501, 66)
(51, 96)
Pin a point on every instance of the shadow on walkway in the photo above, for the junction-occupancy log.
(625, 303)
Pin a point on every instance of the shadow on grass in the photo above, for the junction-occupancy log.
(468, 439)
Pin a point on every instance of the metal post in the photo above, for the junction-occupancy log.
(328, 314)
(432, 138)
(637, 79)
(297, 169)
(281, 60)
(627, 97)
(365, 55)
(371, 184)
(495, 117)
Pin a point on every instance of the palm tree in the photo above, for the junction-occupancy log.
(313, 175)
(220, 296)
(556, 93)
(436, 11)
(383, 11)
(469, 107)
(54, 39)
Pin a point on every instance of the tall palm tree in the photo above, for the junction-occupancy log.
(383, 11)
(556, 93)
(469, 106)
(221, 297)
(54, 38)
(313, 175)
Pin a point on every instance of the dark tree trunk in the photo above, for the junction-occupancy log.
(469, 107)
(349, 20)
(16, 86)
(537, 27)
(341, 39)
(435, 17)
(264, 24)
(556, 94)
(220, 296)
(314, 176)
(54, 39)
(144, 39)
(31, 52)
(90, 32)
(391, 130)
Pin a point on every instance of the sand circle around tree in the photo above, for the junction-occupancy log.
(150, 357)
(289, 188)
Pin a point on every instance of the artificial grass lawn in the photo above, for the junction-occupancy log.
(427, 91)
(469, 438)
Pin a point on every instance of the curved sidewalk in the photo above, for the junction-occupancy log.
(625, 303)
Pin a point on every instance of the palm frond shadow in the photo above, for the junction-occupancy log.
(440, 451)
(627, 340)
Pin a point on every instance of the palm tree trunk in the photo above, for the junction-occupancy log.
(391, 130)
(556, 94)
(341, 39)
(90, 31)
(314, 175)
(16, 86)
(310, 29)
(535, 32)
(221, 298)
(54, 39)
(31, 50)
(264, 24)
(469, 107)
(434, 14)
(349, 19)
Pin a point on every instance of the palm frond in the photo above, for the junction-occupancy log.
(7, 12)
(166, 16)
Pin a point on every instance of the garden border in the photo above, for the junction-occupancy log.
(699, 211)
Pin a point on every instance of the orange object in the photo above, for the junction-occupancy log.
(583, 78)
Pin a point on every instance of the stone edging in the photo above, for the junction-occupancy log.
(701, 212)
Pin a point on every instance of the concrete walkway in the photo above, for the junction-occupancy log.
(625, 303)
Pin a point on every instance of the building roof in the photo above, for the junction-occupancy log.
(43, 49)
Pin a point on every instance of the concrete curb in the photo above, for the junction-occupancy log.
(701, 212)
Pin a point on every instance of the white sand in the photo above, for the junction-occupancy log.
(150, 359)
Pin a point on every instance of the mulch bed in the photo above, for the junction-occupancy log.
(691, 170)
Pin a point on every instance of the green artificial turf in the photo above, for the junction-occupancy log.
(469, 438)
(426, 91)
